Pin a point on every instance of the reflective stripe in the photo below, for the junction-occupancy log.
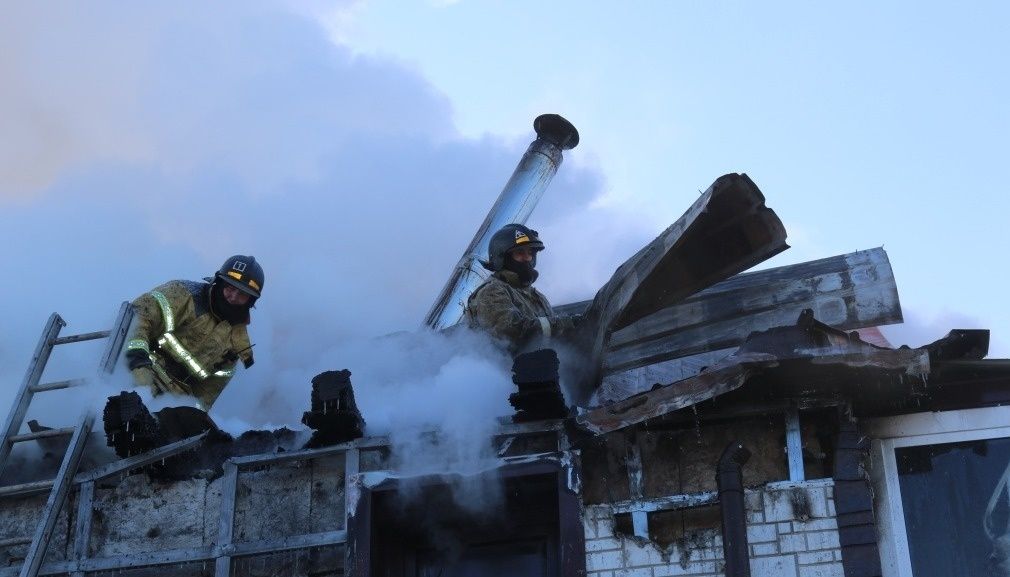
(138, 345)
(545, 326)
(166, 310)
(179, 353)
(170, 343)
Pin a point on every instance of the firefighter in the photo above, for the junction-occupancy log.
(506, 305)
(188, 337)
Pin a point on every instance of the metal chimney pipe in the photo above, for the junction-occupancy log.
(515, 203)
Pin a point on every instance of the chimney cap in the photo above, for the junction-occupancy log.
(554, 128)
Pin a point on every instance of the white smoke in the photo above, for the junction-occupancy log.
(255, 135)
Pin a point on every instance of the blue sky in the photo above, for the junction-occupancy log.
(354, 148)
(865, 123)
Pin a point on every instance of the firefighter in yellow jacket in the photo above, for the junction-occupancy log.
(507, 305)
(188, 336)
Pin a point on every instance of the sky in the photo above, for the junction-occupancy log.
(354, 147)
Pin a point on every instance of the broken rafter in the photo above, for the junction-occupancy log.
(806, 344)
(726, 231)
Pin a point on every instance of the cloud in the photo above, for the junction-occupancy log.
(145, 144)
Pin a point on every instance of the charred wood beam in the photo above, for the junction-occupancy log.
(848, 292)
(806, 358)
(726, 231)
(334, 417)
(539, 396)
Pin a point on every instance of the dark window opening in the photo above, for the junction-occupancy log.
(957, 507)
(527, 525)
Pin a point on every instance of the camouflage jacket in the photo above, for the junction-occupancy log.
(510, 311)
(192, 351)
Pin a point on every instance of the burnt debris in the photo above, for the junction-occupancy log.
(334, 417)
(539, 396)
(130, 429)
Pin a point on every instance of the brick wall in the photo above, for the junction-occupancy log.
(791, 532)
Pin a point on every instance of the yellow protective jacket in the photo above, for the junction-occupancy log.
(519, 314)
(193, 352)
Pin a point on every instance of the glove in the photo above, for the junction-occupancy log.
(136, 358)
(144, 377)
(564, 325)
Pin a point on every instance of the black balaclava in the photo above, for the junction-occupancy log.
(526, 270)
(234, 314)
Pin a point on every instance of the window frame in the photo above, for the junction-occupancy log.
(891, 433)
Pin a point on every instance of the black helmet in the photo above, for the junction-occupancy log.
(243, 273)
(509, 237)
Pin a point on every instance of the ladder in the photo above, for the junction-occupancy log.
(60, 486)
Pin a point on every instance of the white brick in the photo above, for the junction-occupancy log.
(592, 530)
(783, 566)
(777, 506)
(642, 572)
(699, 568)
(831, 507)
(785, 528)
(600, 574)
(709, 553)
(636, 555)
(603, 560)
(605, 544)
(815, 525)
(822, 540)
(765, 549)
(818, 502)
(755, 517)
(815, 557)
(793, 543)
(761, 533)
(829, 570)
(753, 501)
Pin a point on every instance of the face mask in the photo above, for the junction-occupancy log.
(234, 314)
(525, 270)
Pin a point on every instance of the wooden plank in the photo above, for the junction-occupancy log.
(85, 511)
(666, 399)
(352, 465)
(726, 231)
(226, 520)
(794, 444)
(848, 292)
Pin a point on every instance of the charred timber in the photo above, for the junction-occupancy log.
(334, 417)
(851, 291)
(807, 359)
(539, 395)
(726, 231)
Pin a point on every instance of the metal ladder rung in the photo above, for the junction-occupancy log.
(56, 385)
(42, 435)
(81, 337)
